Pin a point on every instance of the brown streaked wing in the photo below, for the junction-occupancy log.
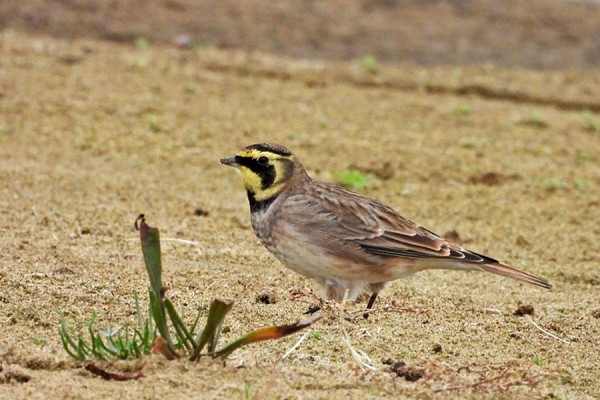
(381, 231)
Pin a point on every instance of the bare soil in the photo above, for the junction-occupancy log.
(93, 133)
(546, 34)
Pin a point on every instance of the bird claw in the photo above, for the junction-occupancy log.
(311, 310)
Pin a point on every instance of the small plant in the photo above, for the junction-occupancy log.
(581, 185)
(154, 333)
(351, 179)
(468, 142)
(589, 122)
(141, 43)
(554, 184)
(404, 191)
(582, 157)
(139, 63)
(371, 65)
(535, 119)
(5, 129)
(189, 87)
(247, 390)
(121, 343)
(154, 123)
(537, 361)
(462, 110)
(545, 150)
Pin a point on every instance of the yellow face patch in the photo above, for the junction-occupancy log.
(252, 181)
(255, 183)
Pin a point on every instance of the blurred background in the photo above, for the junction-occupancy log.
(538, 34)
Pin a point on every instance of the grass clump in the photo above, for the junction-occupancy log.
(121, 343)
(589, 121)
(536, 120)
(468, 142)
(554, 184)
(5, 129)
(462, 110)
(154, 123)
(163, 330)
(581, 185)
(537, 361)
(351, 179)
(141, 43)
(371, 64)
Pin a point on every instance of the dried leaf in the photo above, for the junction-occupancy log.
(267, 333)
(160, 346)
(114, 376)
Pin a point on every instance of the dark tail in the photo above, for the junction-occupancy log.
(505, 270)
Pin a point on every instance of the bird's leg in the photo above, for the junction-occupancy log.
(370, 304)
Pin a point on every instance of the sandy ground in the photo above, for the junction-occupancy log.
(92, 134)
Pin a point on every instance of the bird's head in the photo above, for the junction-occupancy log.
(266, 169)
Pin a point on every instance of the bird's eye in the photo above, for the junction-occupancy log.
(263, 160)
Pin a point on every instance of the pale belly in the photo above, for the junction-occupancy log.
(313, 257)
(310, 258)
(304, 258)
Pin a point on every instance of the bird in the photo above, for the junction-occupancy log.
(348, 243)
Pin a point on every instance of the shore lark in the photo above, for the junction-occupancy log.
(346, 242)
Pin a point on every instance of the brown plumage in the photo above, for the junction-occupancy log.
(341, 239)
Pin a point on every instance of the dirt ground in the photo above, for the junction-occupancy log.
(93, 133)
(536, 34)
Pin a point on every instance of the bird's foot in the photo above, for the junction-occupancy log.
(312, 309)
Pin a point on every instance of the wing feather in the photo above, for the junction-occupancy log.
(362, 228)
(377, 228)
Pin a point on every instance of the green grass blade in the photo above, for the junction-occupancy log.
(67, 348)
(135, 349)
(147, 334)
(141, 337)
(96, 342)
(150, 330)
(183, 334)
(146, 337)
(158, 314)
(64, 331)
(100, 349)
(212, 345)
(128, 342)
(195, 324)
(120, 344)
(82, 348)
(67, 341)
(216, 313)
(138, 312)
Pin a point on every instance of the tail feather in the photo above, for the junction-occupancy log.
(505, 270)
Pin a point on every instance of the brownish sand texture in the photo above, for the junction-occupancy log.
(92, 133)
